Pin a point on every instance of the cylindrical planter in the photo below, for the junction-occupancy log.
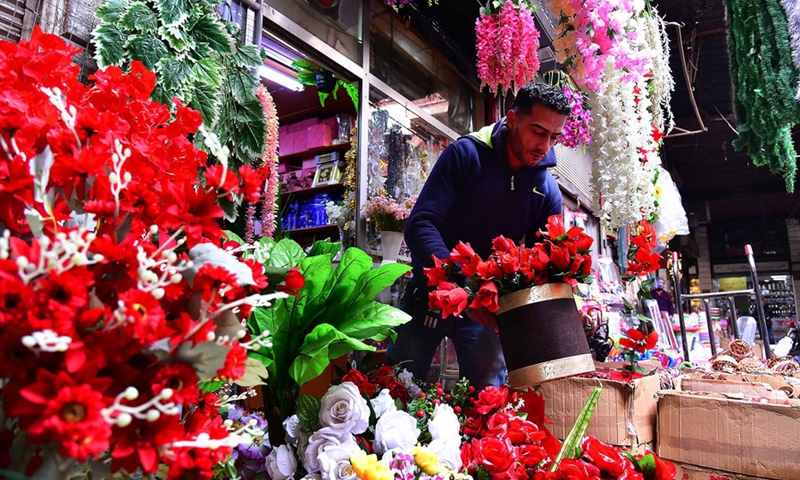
(390, 246)
(542, 335)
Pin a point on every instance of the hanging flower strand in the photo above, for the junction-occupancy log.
(507, 46)
(269, 202)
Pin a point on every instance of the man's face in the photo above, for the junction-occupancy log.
(532, 135)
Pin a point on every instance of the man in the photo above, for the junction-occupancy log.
(663, 298)
(490, 183)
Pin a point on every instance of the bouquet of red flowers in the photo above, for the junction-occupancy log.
(562, 256)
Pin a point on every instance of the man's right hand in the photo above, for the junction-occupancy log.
(485, 318)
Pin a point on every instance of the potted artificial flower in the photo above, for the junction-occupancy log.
(530, 291)
(389, 217)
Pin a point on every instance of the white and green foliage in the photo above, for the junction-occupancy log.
(197, 59)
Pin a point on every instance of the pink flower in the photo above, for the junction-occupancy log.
(507, 48)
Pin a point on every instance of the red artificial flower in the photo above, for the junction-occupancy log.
(59, 296)
(145, 320)
(523, 431)
(584, 243)
(252, 181)
(195, 211)
(181, 379)
(493, 454)
(559, 256)
(490, 270)
(555, 226)
(657, 134)
(361, 381)
(15, 299)
(639, 341)
(198, 463)
(608, 459)
(219, 178)
(383, 375)
(139, 443)
(449, 298)
(260, 279)
(665, 470)
(398, 391)
(539, 258)
(464, 255)
(490, 399)
(437, 274)
(570, 469)
(502, 244)
(292, 283)
(210, 279)
(497, 425)
(486, 298)
(529, 454)
(509, 262)
(234, 366)
(644, 262)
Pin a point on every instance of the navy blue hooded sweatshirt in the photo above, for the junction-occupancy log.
(472, 196)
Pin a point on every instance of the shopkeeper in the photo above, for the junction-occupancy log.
(490, 183)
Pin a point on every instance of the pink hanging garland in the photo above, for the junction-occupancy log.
(508, 45)
(271, 160)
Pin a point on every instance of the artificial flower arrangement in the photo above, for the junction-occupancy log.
(120, 313)
(387, 213)
(641, 259)
(562, 256)
(577, 129)
(507, 45)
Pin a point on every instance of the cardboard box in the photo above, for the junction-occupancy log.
(693, 472)
(780, 383)
(318, 135)
(731, 389)
(711, 431)
(625, 414)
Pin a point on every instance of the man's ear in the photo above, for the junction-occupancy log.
(511, 119)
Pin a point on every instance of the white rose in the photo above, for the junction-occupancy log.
(312, 476)
(395, 429)
(383, 403)
(334, 461)
(445, 424)
(291, 426)
(324, 437)
(449, 453)
(343, 404)
(281, 463)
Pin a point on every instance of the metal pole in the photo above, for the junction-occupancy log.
(735, 323)
(762, 324)
(676, 286)
(711, 337)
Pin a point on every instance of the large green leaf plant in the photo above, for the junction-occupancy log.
(334, 313)
(197, 59)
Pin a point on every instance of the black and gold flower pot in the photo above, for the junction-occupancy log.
(542, 335)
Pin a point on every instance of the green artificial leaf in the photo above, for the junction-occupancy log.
(227, 234)
(249, 56)
(206, 101)
(374, 281)
(647, 465)
(317, 272)
(325, 247)
(242, 83)
(252, 128)
(147, 49)
(111, 10)
(173, 73)
(255, 373)
(211, 385)
(374, 321)
(211, 31)
(354, 263)
(322, 97)
(174, 12)
(109, 40)
(139, 17)
(286, 254)
(161, 95)
(308, 411)
(207, 71)
(571, 444)
(323, 344)
(352, 91)
(177, 38)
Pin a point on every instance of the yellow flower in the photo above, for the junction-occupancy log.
(427, 461)
(368, 467)
(658, 191)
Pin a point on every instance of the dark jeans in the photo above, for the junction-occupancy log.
(480, 358)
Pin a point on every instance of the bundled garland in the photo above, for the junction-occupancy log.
(764, 81)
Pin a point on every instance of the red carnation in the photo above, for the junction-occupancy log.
(361, 381)
(181, 379)
(449, 298)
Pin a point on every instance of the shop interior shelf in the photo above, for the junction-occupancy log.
(305, 192)
(310, 153)
(308, 231)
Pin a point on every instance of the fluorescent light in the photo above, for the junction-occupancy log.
(280, 78)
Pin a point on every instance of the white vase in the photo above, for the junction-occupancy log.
(390, 246)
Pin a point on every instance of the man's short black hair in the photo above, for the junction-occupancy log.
(539, 93)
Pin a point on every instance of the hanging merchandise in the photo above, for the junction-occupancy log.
(269, 201)
(507, 45)
(398, 151)
(764, 79)
(792, 8)
(672, 218)
(350, 181)
(661, 84)
(577, 128)
(311, 74)
(378, 125)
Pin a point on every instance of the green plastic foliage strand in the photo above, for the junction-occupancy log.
(570, 445)
(764, 79)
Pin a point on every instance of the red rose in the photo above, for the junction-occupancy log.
(398, 391)
(497, 425)
(560, 257)
(523, 432)
(465, 256)
(437, 274)
(530, 455)
(474, 423)
(509, 262)
(555, 226)
(571, 469)
(486, 298)
(539, 257)
(361, 381)
(449, 298)
(489, 270)
(493, 454)
(490, 399)
(383, 376)
(609, 459)
(584, 242)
